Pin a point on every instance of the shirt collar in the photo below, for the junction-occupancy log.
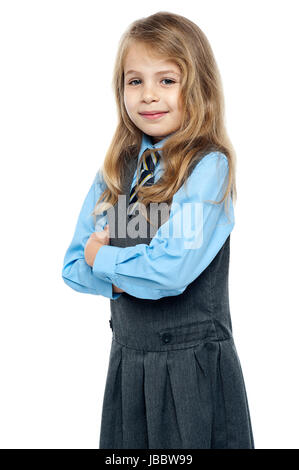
(147, 143)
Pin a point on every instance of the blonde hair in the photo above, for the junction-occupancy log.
(203, 124)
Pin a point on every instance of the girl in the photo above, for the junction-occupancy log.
(174, 378)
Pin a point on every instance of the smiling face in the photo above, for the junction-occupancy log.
(152, 83)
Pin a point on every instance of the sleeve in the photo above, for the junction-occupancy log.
(183, 246)
(76, 273)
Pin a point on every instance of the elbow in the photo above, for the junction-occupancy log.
(68, 282)
(65, 273)
(77, 287)
(173, 281)
(67, 278)
(77, 281)
(165, 292)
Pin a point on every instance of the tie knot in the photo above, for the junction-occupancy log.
(150, 161)
(145, 175)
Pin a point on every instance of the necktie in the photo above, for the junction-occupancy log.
(146, 178)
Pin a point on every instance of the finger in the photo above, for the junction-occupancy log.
(102, 235)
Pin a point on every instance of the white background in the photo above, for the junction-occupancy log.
(58, 116)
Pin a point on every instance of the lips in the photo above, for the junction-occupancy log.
(153, 115)
(153, 112)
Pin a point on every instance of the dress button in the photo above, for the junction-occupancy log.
(166, 337)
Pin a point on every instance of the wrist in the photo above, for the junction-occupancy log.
(116, 289)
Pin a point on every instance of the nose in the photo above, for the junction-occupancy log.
(149, 93)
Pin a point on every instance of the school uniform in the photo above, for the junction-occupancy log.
(174, 378)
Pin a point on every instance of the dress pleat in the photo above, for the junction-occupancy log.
(194, 417)
(160, 406)
(112, 403)
(133, 402)
(235, 400)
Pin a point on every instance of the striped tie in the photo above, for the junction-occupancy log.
(146, 177)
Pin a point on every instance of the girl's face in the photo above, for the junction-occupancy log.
(152, 84)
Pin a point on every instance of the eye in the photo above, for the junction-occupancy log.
(130, 83)
(169, 79)
(137, 80)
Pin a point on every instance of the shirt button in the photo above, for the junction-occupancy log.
(166, 337)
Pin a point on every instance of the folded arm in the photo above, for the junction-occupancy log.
(170, 262)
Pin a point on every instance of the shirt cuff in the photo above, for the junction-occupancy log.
(113, 295)
(105, 261)
(107, 290)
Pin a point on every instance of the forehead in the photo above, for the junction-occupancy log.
(143, 59)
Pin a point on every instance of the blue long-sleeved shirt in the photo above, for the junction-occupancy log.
(180, 250)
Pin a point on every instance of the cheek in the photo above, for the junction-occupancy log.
(126, 100)
(176, 101)
(179, 102)
(129, 101)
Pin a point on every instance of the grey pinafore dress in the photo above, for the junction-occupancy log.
(174, 377)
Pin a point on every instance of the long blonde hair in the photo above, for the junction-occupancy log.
(202, 127)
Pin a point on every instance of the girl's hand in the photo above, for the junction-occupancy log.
(94, 243)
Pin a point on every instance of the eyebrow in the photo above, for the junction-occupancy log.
(157, 73)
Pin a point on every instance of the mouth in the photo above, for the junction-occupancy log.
(153, 114)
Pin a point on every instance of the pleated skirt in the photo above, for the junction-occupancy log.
(186, 395)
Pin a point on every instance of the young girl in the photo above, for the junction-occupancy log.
(174, 379)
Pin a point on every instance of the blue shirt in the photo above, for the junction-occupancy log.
(180, 250)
